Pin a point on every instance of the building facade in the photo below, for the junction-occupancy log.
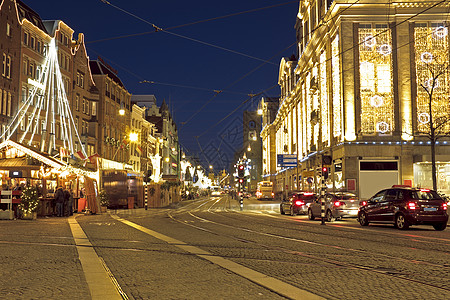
(360, 91)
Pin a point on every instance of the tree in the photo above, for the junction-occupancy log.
(434, 121)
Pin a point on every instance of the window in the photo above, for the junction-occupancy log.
(32, 42)
(94, 109)
(22, 122)
(8, 29)
(84, 105)
(391, 195)
(77, 102)
(25, 38)
(87, 106)
(31, 70)
(4, 65)
(379, 196)
(8, 66)
(4, 103)
(38, 46)
(82, 80)
(24, 93)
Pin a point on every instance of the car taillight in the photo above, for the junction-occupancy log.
(444, 206)
(363, 203)
(411, 205)
(339, 203)
(424, 190)
(299, 203)
(308, 194)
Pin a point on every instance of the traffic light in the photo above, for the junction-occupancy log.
(325, 172)
(241, 180)
(241, 171)
(327, 160)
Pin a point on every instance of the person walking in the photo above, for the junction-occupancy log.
(68, 202)
(59, 199)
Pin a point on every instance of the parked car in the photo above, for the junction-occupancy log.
(297, 203)
(404, 207)
(338, 205)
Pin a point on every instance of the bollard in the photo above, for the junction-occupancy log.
(322, 195)
(145, 196)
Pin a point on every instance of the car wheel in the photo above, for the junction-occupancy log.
(329, 216)
(363, 219)
(400, 222)
(310, 214)
(292, 211)
(440, 226)
(281, 210)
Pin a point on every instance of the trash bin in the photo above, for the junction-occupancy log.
(81, 204)
(130, 202)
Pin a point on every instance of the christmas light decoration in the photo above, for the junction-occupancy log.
(324, 100)
(46, 104)
(370, 41)
(431, 51)
(376, 81)
(336, 84)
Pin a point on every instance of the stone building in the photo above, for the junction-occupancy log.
(114, 112)
(358, 91)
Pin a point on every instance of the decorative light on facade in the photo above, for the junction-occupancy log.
(426, 57)
(441, 32)
(429, 83)
(336, 84)
(424, 118)
(370, 41)
(385, 49)
(382, 127)
(376, 101)
(324, 99)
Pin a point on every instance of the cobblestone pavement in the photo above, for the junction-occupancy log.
(39, 261)
(338, 261)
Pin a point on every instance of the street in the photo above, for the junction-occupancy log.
(208, 248)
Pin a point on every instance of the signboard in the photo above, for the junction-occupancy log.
(286, 160)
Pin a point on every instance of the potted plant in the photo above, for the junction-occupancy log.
(104, 200)
(29, 203)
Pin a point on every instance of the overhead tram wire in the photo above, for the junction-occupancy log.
(230, 85)
(341, 52)
(193, 23)
(191, 87)
(183, 36)
(239, 79)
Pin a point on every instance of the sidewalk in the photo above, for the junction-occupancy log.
(39, 260)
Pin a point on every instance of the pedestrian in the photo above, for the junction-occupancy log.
(68, 202)
(59, 200)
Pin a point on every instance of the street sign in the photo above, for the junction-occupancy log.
(286, 160)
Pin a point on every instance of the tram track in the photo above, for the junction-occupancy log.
(385, 272)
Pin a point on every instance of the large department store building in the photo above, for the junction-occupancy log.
(358, 91)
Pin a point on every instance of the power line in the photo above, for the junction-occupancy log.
(192, 23)
(185, 37)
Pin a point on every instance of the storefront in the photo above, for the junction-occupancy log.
(22, 166)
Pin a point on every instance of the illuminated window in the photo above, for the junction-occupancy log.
(8, 29)
(431, 58)
(324, 99)
(376, 88)
(336, 85)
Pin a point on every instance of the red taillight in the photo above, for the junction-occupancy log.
(424, 190)
(444, 206)
(411, 205)
(299, 203)
(308, 194)
(339, 203)
(363, 203)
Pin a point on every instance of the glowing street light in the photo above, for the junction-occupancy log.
(134, 136)
(122, 112)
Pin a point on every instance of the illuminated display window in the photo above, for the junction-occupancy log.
(432, 76)
(376, 77)
(336, 85)
(324, 100)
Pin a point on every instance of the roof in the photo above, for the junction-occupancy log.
(98, 68)
(16, 163)
(25, 12)
(41, 156)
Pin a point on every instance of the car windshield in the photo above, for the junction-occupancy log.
(346, 197)
(306, 197)
(424, 195)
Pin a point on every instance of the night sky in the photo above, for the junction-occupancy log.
(113, 32)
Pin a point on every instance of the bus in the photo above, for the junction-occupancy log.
(265, 190)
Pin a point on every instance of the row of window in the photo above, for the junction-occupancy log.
(87, 107)
(32, 42)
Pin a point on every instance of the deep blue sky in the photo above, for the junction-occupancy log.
(169, 59)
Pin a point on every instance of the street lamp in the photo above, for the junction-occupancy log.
(122, 112)
(134, 136)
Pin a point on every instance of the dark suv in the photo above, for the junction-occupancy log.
(404, 207)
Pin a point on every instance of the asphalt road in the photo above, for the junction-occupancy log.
(209, 248)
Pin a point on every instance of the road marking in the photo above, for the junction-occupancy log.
(100, 282)
(261, 279)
